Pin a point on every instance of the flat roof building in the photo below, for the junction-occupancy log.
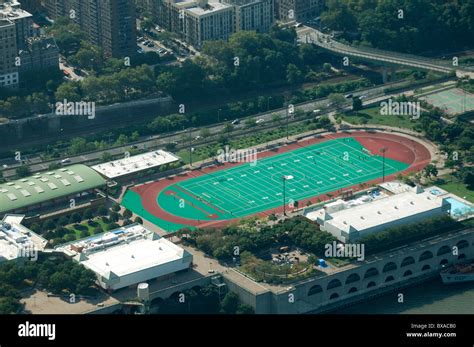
(128, 256)
(48, 188)
(353, 223)
(134, 164)
(17, 241)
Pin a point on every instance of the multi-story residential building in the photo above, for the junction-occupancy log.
(110, 24)
(254, 15)
(200, 21)
(41, 53)
(298, 10)
(8, 53)
(208, 21)
(22, 19)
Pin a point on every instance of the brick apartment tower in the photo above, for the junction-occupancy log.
(109, 24)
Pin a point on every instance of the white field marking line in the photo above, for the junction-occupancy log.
(362, 166)
(311, 166)
(209, 201)
(240, 196)
(233, 199)
(376, 157)
(305, 193)
(239, 169)
(273, 204)
(225, 196)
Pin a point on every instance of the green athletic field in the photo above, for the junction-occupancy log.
(246, 189)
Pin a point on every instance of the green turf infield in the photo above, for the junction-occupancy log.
(248, 189)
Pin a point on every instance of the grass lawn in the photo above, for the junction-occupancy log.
(452, 185)
(372, 116)
(89, 227)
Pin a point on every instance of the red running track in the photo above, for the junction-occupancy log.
(397, 147)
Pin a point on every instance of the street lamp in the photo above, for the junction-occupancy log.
(284, 179)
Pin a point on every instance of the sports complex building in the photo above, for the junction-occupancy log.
(130, 166)
(351, 224)
(48, 189)
(128, 256)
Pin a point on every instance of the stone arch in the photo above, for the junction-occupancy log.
(334, 284)
(352, 278)
(371, 272)
(316, 289)
(425, 256)
(407, 261)
(352, 290)
(443, 250)
(391, 266)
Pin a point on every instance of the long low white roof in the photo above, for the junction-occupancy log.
(124, 251)
(135, 163)
(383, 211)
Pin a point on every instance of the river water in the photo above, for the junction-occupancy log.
(432, 297)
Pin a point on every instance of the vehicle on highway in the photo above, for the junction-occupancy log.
(66, 161)
(260, 121)
(316, 111)
(235, 122)
(349, 96)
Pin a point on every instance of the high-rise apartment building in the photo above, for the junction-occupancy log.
(41, 53)
(298, 10)
(22, 19)
(109, 24)
(254, 15)
(8, 53)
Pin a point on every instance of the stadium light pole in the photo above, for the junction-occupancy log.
(383, 150)
(284, 179)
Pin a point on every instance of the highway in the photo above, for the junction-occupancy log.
(37, 164)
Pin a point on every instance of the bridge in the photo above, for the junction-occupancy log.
(386, 58)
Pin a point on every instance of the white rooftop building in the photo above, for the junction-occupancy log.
(134, 164)
(17, 241)
(354, 222)
(128, 256)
